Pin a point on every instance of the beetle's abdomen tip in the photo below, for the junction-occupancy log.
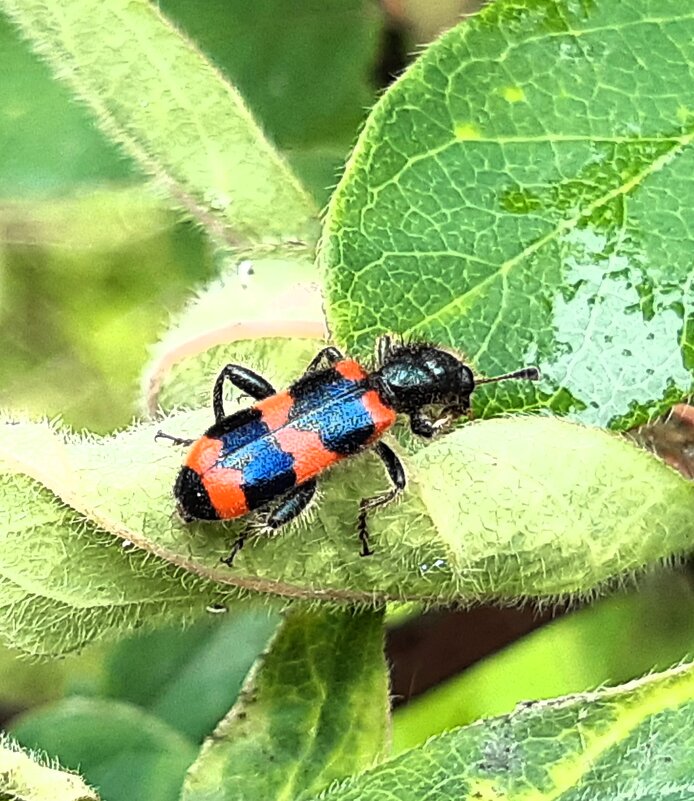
(193, 501)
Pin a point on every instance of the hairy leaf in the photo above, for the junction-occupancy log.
(314, 710)
(523, 194)
(496, 509)
(49, 144)
(38, 156)
(314, 83)
(120, 749)
(22, 778)
(173, 113)
(266, 310)
(631, 742)
(65, 582)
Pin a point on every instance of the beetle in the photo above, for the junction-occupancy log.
(268, 456)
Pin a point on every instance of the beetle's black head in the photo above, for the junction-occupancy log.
(416, 375)
(413, 376)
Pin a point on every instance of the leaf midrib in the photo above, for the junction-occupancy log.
(563, 226)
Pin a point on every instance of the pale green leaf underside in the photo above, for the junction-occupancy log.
(523, 194)
(633, 742)
(497, 509)
(174, 114)
(313, 710)
(64, 582)
(24, 779)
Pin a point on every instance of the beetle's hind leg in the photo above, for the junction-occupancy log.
(396, 473)
(290, 507)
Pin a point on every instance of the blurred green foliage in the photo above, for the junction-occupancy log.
(614, 640)
(91, 265)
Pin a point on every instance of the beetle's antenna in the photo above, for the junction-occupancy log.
(525, 374)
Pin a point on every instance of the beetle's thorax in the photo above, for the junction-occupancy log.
(414, 376)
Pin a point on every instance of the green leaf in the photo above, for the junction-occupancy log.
(23, 778)
(188, 679)
(64, 582)
(312, 85)
(155, 94)
(320, 167)
(587, 648)
(530, 507)
(38, 156)
(522, 193)
(124, 752)
(314, 710)
(309, 91)
(631, 742)
(72, 265)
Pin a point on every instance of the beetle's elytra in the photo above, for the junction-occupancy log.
(274, 450)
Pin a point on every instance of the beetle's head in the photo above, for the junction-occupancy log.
(417, 375)
(414, 376)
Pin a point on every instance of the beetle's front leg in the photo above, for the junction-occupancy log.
(421, 425)
(329, 355)
(424, 426)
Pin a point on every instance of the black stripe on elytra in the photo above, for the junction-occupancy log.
(193, 501)
(314, 390)
(244, 417)
(344, 427)
(261, 492)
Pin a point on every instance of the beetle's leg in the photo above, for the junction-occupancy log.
(292, 505)
(246, 380)
(330, 355)
(174, 440)
(424, 426)
(450, 414)
(453, 412)
(235, 548)
(421, 425)
(397, 475)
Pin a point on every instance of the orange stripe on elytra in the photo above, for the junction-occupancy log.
(382, 416)
(203, 454)
(275, 410)
(223, 485)
(310, 455)
(351, 370)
